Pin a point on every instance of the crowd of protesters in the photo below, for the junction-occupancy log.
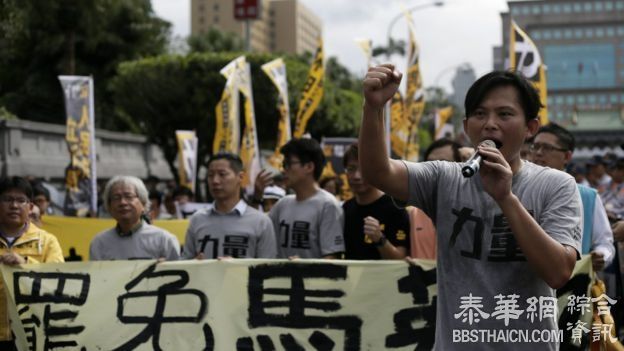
(297, 214)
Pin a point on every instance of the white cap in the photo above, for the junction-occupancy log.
(273, 192)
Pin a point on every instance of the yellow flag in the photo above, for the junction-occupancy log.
(441, 118)
(398, 127)
(276, 70)
(227, 131)
(187, 157)
(524, 57)
(414, 98)
(367, 47)
(250, 153)
(312, 92)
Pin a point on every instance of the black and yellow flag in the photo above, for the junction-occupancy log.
(312, 92)
(276, 70)
(525, 58)
(414, 97)
(80, 174)
(227, 131)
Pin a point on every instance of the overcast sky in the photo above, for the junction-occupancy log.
(459, 31)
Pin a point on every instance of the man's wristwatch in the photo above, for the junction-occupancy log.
(381, 242)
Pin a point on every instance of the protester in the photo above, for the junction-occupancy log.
(613, 192)
(229, 228)
(20, 241)
(332, 185)
(309, 223)
(597, 173)
(155, 206)
(374, 228)
(272, 194)
(553, 147)
(511, 231)
(126, 199)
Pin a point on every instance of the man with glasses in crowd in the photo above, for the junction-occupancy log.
(126, 199)
(553, 147)
(20, 241)
(309, 223)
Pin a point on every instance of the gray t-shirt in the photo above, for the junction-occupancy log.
(311, 228)
(243, 233)
(147, 242)
(480, 266)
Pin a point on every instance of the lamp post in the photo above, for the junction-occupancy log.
(411, 9)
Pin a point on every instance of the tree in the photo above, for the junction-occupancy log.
(215, 41)
(40, 40)
(159, 95)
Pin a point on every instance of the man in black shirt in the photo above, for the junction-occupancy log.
(374, 227)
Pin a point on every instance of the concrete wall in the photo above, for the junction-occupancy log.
(39, 149)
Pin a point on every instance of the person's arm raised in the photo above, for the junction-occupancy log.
(380, 84)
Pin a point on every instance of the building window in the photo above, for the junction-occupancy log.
(215, 7)
(599, 6)
(567, 8)
(215, 19)
(570, 100)
(580, 99)
(201, 20)
(613, 98)
(591, 98)
(557, 34)
(546, 8)
(608, 6)
(588, 6)
(602, 99)
(535, 9)
(547, 34)
(201, 7)
(620, 31)
(567, 33)
(578, 33)
(599, 32)
(559, 100)
(536, 34)
(619, 5)
(589, 32)
(610, 32)
(556, 8)
(525, 10)
(578, 8)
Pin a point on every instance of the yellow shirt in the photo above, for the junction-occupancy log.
(37, 246)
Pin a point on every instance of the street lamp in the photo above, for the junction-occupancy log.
(411, 9)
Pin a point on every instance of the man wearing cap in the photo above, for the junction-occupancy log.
(597, 173)
(271, 195)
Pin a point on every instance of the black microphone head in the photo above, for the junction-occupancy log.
(467, 172)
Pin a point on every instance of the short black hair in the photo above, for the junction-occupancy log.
(235, 161)
(529, 97)
(306, 150)
(440, 143)
(16, 183)
(156, 195)
(39, 189)
(183, 191)
(352, 153)
(565, 138)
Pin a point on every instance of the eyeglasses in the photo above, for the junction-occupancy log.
(8, 200)
(535, 147)
(287, 164)
(127, 197)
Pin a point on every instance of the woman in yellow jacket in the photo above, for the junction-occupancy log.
(20, 241)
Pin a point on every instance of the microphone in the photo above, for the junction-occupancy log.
(474, 162)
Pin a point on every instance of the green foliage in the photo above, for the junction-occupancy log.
(162, 94)
(215, 41)
(40, 40)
